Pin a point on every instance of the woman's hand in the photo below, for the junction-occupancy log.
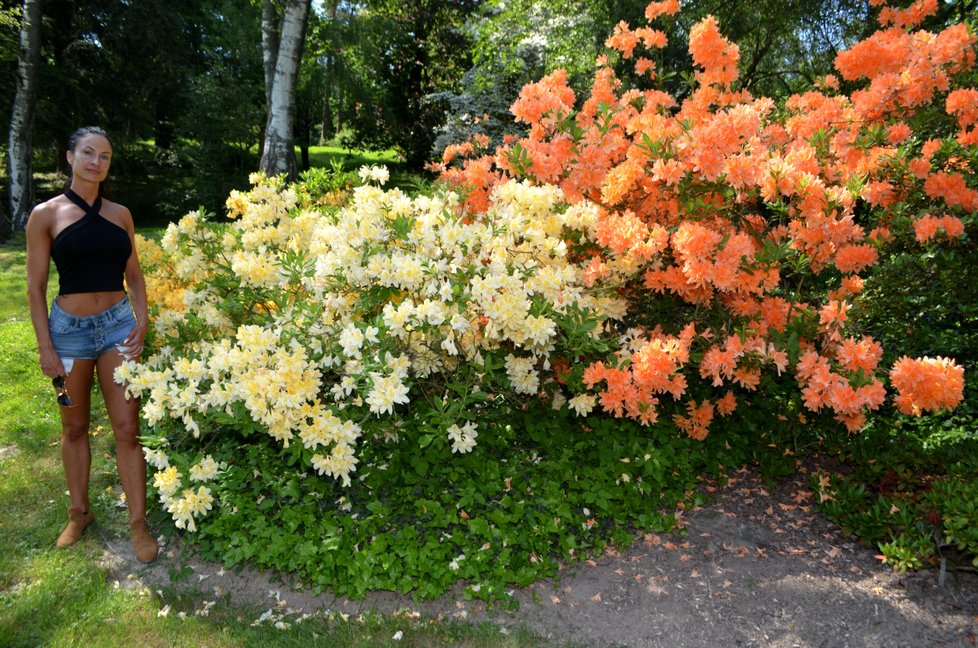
(132, 347)
(51, 365)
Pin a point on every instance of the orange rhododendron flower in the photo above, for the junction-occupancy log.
(645, 67)
(835, 313)
(697, 423)
(858, 355)
(726, 404)
(715, 54)
(927, 227)
(854, 258)
(623, 39)
(927, 384)
(952, 189)
(898, 132)
(549, 95)
(909, 17)
(656, 9)
(963, 104)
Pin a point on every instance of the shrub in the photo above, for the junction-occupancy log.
(635, 259)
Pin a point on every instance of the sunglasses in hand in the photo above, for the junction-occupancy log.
(63, 399)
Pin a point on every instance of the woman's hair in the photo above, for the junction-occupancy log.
(85, 131)
(73, 141)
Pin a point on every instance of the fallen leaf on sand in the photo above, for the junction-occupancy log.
(596, 598)
(802, 496)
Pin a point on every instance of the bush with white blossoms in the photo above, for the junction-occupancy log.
(321, 329)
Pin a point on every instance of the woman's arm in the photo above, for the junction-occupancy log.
(38, 264)
(136, 286)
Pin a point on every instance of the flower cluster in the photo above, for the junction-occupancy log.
(927, 384)
(184, 502)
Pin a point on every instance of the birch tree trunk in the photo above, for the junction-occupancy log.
(269, 46)
(22, 117)
(278, 150)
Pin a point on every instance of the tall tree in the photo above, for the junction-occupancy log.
(403, 52)
(22, 116)
(283, 41)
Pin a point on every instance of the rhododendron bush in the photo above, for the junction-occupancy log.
(635, 255)
(319, 329)
(755, 222)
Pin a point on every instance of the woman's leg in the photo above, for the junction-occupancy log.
(129, 458)
(124, 416)
(76, 453)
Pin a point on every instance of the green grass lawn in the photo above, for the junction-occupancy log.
(55, 597)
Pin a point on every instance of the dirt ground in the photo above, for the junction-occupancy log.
(755, 567)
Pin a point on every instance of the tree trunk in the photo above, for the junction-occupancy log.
(22, 117)
(269, 46)
(326, 131)
(278, 151)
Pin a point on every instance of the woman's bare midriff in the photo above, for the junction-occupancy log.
(85, 304)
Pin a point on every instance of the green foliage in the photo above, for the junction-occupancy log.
(541, 490)
(394, 57)
(913, 519)
(319, 184)
(955, 500)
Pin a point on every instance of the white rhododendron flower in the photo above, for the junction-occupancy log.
(462, 438)
(204, 470)
(378, 174)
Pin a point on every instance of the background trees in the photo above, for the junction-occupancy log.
(185, 85)
(397, 56)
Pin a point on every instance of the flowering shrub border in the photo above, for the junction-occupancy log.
(635, 257)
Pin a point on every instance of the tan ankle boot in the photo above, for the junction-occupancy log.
(143, 541)
(77, 521)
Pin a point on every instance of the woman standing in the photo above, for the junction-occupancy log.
(93, 326)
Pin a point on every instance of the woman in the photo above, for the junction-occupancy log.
(93, 326)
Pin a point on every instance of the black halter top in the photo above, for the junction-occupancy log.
(91, 253)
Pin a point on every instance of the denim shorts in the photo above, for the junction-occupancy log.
(86, 338)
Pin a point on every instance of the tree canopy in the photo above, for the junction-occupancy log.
(412, 75)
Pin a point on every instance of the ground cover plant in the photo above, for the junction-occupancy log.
(474, 382)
